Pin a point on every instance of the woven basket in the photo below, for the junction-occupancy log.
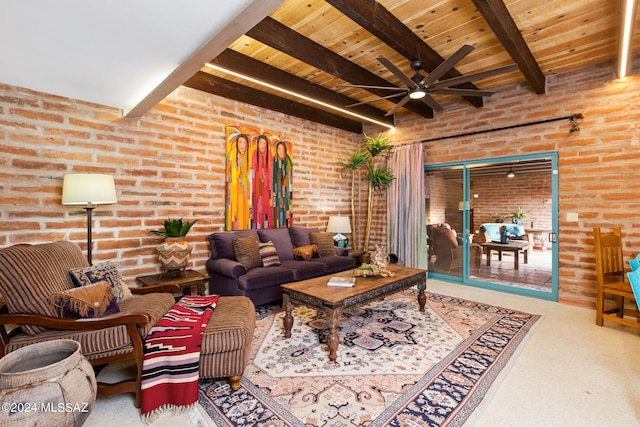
(48, 383)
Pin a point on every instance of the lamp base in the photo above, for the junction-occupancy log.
(340, 240)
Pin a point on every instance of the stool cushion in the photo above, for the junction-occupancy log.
(231, 325)
(226, 342)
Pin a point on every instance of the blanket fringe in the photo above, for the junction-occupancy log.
(151, 417)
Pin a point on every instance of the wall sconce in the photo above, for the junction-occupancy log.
(574, 124)
(89, 190)
(339, 225)
(511, 173)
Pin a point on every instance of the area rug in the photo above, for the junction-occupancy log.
(396, 366)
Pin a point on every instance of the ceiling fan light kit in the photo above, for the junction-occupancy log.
(420, 87)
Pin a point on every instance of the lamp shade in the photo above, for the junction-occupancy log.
(88, 189)
(339, 224)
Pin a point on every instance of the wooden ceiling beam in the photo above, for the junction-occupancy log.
(248, 66)
(278, 36)
(504, 27)
(380, 22)
(227, 89)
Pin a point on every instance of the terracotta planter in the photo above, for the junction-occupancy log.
(48, 383)
(173, 254)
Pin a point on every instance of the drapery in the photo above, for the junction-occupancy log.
(406, 227)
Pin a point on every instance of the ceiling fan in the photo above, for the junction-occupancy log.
(420, 86)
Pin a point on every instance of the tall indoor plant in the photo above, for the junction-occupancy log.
(377, 174)
(173, 254)
(353, 164)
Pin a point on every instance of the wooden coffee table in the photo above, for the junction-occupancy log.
(333, 300)
(514, 246)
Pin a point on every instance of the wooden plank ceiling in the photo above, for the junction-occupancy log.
(311, 46)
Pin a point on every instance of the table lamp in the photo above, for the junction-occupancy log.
(89, 190)
(339, 225)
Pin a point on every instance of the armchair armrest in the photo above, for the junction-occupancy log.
(116, 319)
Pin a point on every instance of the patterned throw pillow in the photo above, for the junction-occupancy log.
(324, 242)
(104, 272)
(269, 254)
(247, 252)
(94, 300)
(305, 252)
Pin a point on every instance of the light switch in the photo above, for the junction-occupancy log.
(572, 216)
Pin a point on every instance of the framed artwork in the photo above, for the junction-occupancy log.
(259, 180)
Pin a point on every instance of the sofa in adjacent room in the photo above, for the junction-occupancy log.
(283, 255)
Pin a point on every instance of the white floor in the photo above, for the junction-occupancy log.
(569, 373)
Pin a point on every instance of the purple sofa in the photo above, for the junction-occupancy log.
(262, 284)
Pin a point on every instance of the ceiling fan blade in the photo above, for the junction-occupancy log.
(476, 76)
(398, 105)
(377, 99)
(446, 65)
(370, 87)
(432, 103)
(461, 92)
(396, 72)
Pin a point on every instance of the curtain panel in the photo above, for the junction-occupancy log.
(406, 227)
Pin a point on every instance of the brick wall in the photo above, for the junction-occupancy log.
(168, 163)
(171, 162)
(598, 166)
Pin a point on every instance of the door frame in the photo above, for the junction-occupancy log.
(466, 238)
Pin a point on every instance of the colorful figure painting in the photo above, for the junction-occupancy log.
(259, 180)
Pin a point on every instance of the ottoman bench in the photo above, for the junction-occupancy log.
(226, 342)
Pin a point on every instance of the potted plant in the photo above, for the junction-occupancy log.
(378, 176)
(173, 254)
(353, 163)
(517, 216)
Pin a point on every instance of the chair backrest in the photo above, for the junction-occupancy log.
(608, 248)
(29, 274)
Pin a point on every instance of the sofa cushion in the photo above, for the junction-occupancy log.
(300, 235)
(103, 272)
(324, 241)
(94, 300)
(263, 277)
(269, 254)
(305, 252)
(222, 242)
(303, 270)
(281, 239)
(334, 264)
(29, 274)
(247, 252)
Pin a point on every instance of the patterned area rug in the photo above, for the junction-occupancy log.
(396, 366)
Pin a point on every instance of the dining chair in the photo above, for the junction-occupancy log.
(611, 280)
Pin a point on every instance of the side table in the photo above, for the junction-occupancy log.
(189, 280)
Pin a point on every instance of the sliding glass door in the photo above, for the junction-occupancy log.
(492, 223)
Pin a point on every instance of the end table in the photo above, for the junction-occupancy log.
(189, 280)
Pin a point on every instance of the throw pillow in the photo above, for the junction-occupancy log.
(305, 252)
(104, 272)
(246, 252)
(635, 263)
(269, 254)
(324, 242)
(94, 300)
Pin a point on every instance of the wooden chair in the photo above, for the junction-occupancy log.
(611, 279)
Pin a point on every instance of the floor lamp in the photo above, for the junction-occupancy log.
(90, 190)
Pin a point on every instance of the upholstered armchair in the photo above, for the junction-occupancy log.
(51, 292)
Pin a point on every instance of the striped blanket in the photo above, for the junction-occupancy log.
(172, 355)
